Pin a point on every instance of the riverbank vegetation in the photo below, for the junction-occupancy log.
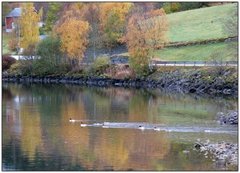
(76, 27)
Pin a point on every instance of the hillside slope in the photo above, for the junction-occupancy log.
(200, 24)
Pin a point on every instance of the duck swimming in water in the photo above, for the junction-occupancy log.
(83, 125)
(141, 127)
(71, 120)
(157, 129)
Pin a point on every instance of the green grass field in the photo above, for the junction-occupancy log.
(215, 51)
(200, 24)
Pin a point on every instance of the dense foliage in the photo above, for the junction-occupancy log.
(50, 59)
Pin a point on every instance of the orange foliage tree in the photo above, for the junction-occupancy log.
(145, 32)
(73, 32)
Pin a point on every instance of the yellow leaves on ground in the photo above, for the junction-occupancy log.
(29, 25)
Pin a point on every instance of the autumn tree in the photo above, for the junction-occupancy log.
(113, 21)
(145, 33)
(73, 33)
(29, 28)
(90, 13)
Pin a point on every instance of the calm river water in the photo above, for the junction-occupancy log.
(37, 134)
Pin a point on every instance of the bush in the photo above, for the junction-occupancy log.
(13, 44)
(171, 7)
(49, 50)
(7, 61)
(42, 67)
(100, 64)
(50, 58)
(15, 68)
(140, 70)
(23, 67)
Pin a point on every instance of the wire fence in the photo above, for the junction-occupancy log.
(193, 63)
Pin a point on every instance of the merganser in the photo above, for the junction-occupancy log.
(157, 129)
(141, 127)
(83, 125)
(71, 120)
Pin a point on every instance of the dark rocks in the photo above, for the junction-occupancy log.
(223, 153)
(177, 80)
(231, 117)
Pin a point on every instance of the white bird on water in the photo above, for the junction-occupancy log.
(157, 129)
(71, 120)
(141, 127)
(83, 125)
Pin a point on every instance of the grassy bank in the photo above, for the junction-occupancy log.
(200, 24)
(216, 51)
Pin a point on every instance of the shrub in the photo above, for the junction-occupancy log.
(13, 44)
(100, 64)
(49, 50)
(23, 67)
(50, 59)
(15, 68)
(7, 61)
(140, 69)
(171, 7)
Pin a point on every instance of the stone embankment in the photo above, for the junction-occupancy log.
(223, 82)
(224, 154)
(231, 117)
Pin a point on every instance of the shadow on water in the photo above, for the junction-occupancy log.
(38, 136)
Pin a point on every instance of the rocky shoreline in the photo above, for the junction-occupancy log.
(223, 154)
(183, 85)
(231, 118)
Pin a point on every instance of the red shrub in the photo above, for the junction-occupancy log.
(7, 61)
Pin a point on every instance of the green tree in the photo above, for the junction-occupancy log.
(171, 7)
(50, 59)
(49, 50)
(54, 8)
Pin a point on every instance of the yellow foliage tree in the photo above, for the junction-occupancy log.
(29, 28)
(145, 32)
(73, 32)
(112, 18)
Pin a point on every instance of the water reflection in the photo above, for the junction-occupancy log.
(38, 136)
